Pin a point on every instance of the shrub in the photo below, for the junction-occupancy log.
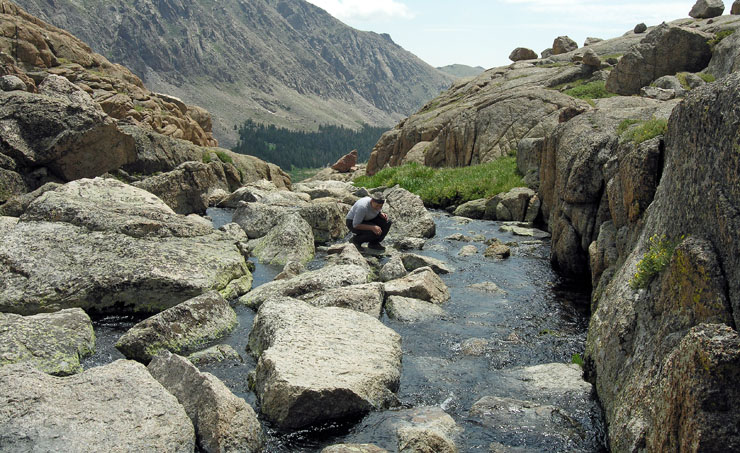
(442, 187)
(223, 157)
(644, 130)
(206, 157)
(590, 90)
(655, 260)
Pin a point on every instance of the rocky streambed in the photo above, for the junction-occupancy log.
(487, 370)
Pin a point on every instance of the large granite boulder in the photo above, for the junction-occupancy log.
(188, 188)
(223, 422)
(735, 7)
(422, 284)
(110, 205)
(114, 407)
(726, 56)
(427, 429)
(327, 220)
(52, 342)
(579, 159)
(267, 192)
(307, 284)
(407, 309)
(662, 343)
(666, 50)
(110, 248)
(474, 209)
(408, 214)
(257, 219)
(181, 329)
(412, 261)
(563, 44)
(522, 53)
(342, 191)
(290, 240)
(63, 130)
(706, 9)
(367, 298)
(321, 364)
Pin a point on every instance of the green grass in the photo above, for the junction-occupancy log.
(299, 174)
(577, 359)
(719, 37)
(224, 157)
(206, 157)
(645, 130)
(442, 187)
(707, 77)
(655, 260)
(590, 90)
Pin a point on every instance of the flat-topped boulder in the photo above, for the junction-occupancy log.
(180, 329)
(407, 309)
(101, 409)
(422, 284)
(52, 342)
(110, 205)
(367, 298)
(307, 283)
(321, 364)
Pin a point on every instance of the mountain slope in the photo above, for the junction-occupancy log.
(284, 62)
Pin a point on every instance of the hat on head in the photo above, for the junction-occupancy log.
(378, 198)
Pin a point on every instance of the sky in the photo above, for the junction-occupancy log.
(484, 32)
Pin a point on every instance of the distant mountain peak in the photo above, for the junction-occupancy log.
(283, 62)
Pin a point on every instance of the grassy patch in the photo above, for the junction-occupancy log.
(643, 131)
(441, 187)
(719, 37)
(590, 90)
(707, 77)
(577, 359)
(299, 174)
(206, 157)
(223, 157)
(655, 260)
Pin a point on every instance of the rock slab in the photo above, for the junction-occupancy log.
(116, 407)
(52, 342)
(223, 422)
(320, 364)
(182, 328)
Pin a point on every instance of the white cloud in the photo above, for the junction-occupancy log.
(608, 11)
(364, 9)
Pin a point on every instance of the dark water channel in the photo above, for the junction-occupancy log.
(538, 319)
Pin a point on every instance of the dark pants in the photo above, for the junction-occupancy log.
(362, 236)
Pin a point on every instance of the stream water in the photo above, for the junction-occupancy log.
(538, 318)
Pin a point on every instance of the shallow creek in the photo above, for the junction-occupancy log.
(537, 319)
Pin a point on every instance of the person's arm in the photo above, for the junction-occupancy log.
(358, 225)
(374, 228)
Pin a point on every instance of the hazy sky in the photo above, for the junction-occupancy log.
(484, 32)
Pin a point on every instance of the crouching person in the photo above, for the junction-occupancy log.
(367, 222)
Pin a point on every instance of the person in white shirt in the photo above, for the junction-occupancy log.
(368, 223)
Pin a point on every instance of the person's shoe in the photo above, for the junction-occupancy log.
(376, 246)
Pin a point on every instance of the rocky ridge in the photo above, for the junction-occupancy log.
(662, 354)
(280, 62)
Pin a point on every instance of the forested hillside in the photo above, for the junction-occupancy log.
(288, 148)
